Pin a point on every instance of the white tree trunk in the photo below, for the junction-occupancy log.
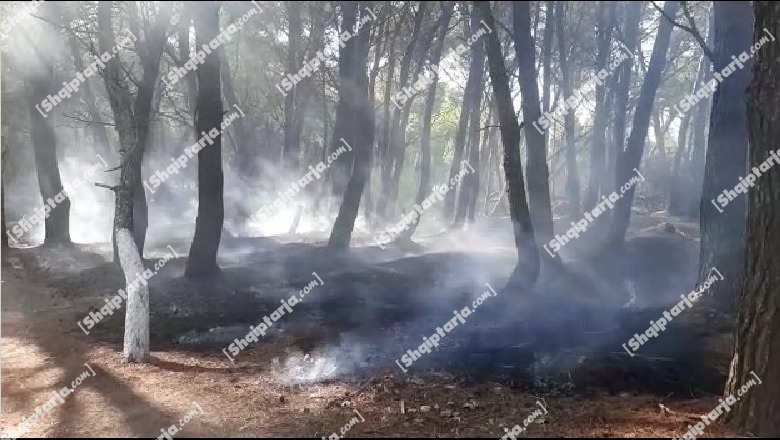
(136, 346)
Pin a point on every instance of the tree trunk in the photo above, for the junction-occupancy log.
(722, 233)
(424, 188)
(572, 173)
(385, 162)
(400, 138)
(397, 129)
(471, 105)
(292, 142)
(598, 136)
(132, 125)
(527, 269)
(469, 96)
(547, 54)
(622, 87)
(202, 260)
(636, 142)
(96, 129)
(57, 225)
(675, 184)
(189, 86)
(538, 174)
(354, 120)
(471, 180)
(3, 159)
(699, 143)
(757, 333)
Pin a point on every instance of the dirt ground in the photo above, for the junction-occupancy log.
(43, 350)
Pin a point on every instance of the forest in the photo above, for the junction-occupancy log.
(289, 204)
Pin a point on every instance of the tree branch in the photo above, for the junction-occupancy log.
(692, 29)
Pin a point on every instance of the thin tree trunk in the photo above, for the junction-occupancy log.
(572, 174)
(424, 188)
(96, 129)
(547, 54)
(190, 88)
(622, 88)
(202, 260)
(636, 142)
(397, 127)
(527, 270)
(385, 162)
(460, 133)
(598, 135)
(399, 146)
(3, 159)
(673, 191)
(292, 144)
(699, 144)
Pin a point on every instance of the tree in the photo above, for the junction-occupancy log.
(630, 158)
(606, 17)
(57, 226)
(527, 269)
(698, 145)
(3, 159)
(622, 88)
(97, 129)
(132, 124)
(572, 174)
(538, 175)
(424, 187)
(673, 193)
(469, 96)
(722, 233)
(758, 324)
(354, 119)
(396, 139)
(42, 82)
(399, 147)
(202, 260)
(292, 141)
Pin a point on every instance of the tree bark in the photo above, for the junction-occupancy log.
(471, 105)
(757, 334)
(527, 269)
(606, 14)
(572, 173)
(538, 174)
(622, 88)
(202, 260)
(722, 233)
(57, 225)
(636, 142)
(132, 124)
(354, 120)
(460, 133)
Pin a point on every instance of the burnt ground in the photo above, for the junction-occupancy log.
(559, 343)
